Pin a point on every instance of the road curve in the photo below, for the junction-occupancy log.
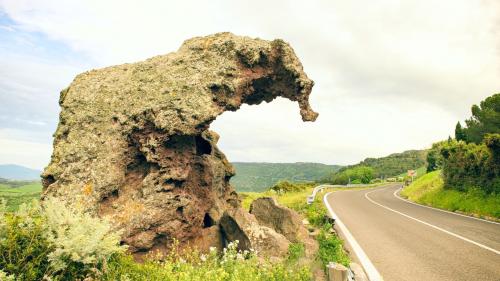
(406, 241)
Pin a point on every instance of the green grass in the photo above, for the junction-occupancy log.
(420, 172)
(15, 196)
(429, 190)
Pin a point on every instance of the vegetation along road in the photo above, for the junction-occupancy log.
(406, 241)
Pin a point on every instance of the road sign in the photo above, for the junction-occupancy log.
(412, 173)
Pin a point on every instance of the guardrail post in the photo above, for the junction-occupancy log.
(337, 272)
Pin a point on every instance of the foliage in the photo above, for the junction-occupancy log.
(54, 242)
(23, 247)
(6, 277)
(286, 186)
(470, 165)
(193, 266)
(485, 120)
(296, 251)
(358, 174)
(259, 176)
(429, 190)
(391, 165)
(434, 158)
(330, 249)
(460, 133)
(80, 240)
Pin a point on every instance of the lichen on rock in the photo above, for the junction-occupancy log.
(133, 142)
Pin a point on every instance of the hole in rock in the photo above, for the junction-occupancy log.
(207, 221)
(48, 180)
(202, 146)
(180, 211)
(173, 182)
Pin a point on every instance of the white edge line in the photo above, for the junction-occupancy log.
(437, 209)
(431, 225)
(371, 271)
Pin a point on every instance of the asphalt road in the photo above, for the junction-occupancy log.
(405, 241)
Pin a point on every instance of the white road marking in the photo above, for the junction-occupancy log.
(431, 225)
(437, 209)
(371, 271)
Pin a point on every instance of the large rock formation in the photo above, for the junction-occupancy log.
(133, 143)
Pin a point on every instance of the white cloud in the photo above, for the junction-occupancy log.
(14, 149)
(389, 76)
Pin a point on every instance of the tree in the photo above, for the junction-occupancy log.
(459, 132)
(362, 174)
(485, 119)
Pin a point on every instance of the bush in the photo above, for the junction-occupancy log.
(470, 165)
(359, 174)
(434, 158)
(296, 251)
(23, 245)
(54, 242)
(330, 249)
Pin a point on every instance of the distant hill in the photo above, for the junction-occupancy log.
(16, 172)
(396, 163)
(260, 176)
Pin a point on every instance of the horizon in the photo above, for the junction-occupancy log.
(388, 78)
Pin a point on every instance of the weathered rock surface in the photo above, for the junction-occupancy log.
(133, 144)
(283, 220)
(239, 225)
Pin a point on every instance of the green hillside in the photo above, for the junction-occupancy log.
(18, 192)
(396, 163)
(260, 176)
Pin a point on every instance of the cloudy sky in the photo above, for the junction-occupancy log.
(389, 76)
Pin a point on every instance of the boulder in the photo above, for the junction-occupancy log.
(283, 220)
(133, 143)
(243, 227)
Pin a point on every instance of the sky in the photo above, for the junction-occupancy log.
(389, 77)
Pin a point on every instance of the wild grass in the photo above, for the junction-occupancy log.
(430, 190)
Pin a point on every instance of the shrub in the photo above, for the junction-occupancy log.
(316, 214)
(5, 277)
(54, 242)
(470, 165)
(23, 245)
(296, 251)
(330, 249)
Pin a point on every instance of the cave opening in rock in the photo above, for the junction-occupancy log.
(202, 146)
(208, 221)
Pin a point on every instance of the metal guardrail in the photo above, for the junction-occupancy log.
(312, 197)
